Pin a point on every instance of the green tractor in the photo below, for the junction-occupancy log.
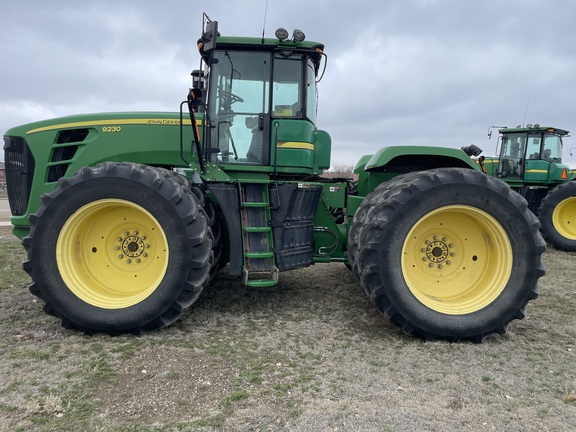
(126, 217)
(530, 161)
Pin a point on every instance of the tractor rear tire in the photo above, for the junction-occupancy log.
(451, 254)
(118, 248)
(557, 214)
(362, 216)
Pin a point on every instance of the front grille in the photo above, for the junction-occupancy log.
(19, 166)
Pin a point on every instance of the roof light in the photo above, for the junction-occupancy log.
(281, 33)
(298, 35)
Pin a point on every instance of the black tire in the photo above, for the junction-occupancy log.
(221, 257)
(118, 248)
(557, 214)
(361, 218)
(209, 210)
(451, 254)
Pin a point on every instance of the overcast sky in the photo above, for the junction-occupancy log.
(408, 72)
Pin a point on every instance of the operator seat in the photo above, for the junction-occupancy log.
(254, 154)
(506, 167)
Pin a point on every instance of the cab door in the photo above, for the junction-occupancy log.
(511, 163)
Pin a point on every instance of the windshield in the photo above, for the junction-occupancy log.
(238, 99)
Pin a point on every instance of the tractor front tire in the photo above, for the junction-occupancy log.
(214, 226)
(451, 254)
(557, 214)
(118, 248)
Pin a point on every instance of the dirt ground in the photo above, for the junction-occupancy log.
(311, 354)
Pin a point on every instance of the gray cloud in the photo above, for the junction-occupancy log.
(399, 72)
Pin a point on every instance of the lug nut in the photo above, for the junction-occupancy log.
(120, 256)
(119, 239)
(452, 254)
(126, 233)
(451, 245)
(128, 260)
(143, 237)
(435, 237)
(430, 265)
(117, 247)
(448, 262)
(137, 260)
(135, 232)
(144, 254)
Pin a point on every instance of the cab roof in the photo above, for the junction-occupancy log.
(534, 129)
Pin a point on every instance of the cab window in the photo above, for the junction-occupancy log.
(287, 85)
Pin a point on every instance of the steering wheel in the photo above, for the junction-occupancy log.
(232, 98)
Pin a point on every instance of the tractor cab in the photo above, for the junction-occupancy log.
(259, 103)
(532, 154)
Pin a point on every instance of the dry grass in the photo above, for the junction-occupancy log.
(309, 355)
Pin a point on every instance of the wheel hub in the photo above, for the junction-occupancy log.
(132, 246)
(437, 251)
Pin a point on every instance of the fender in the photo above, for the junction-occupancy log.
(417, 158)
(388, 162)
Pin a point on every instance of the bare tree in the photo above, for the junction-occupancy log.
(340, 170)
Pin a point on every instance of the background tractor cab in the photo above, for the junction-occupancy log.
(531, 155)
(530, 161)
(259, 99)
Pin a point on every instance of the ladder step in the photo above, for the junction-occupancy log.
(259, 283)
(257, 229)
(255, 204)
(259, 254)
(264, 278)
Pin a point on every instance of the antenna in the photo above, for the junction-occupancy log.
(264, 23)
(525, 113)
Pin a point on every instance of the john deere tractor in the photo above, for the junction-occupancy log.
(126, 217)
(530, 161)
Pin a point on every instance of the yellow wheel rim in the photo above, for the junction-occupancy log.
(457, 259)
(112, 253)
(564, 218)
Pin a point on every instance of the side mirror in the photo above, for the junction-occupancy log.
(195, 98)
(210, 36)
